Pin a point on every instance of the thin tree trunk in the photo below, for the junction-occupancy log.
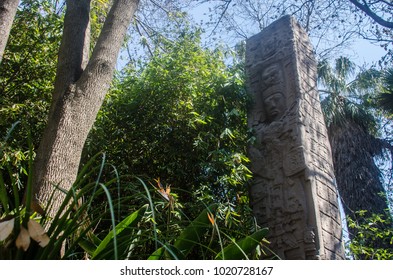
(7, 14)
(80, 88)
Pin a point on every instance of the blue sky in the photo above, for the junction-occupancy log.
(365, 52)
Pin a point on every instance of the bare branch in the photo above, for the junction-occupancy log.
(138, 22)
(228, 2)
(366, 9)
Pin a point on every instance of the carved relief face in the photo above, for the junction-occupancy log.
(275, 106)
(272, 75)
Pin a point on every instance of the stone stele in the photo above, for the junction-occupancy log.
(293, 192)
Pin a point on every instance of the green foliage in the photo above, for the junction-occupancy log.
(81, 231)
(193, 233)
(344, 100)
(28, 68)
(182, 120)
(27, 73)
(104, 220)
(180, 117)
(374, 236)
(127, 223)
(386, 95)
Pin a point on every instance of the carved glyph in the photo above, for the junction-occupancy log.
(293, 192)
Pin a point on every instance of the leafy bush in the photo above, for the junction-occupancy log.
(181, 117)
(374, 236)
(97, 221)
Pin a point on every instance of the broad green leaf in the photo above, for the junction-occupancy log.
(190, 236)
(169, 251)
(90, 242)
(157, 254)
(88, 246)
(130, 221)
(240, 250)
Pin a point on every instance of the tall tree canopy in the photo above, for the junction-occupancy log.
(353, 130)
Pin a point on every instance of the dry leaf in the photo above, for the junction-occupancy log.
(35, 229)
(23, 239)
(43, 240)
(37, 233)
(6, 228)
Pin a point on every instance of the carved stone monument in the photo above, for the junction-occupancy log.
(293, 192)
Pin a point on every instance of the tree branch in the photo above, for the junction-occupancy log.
(58, 156)
(366, 9)
(7, 13)
(103, 60)
(74, 48)
(228, 2)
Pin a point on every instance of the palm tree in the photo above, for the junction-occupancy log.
(352, 129)
(386, 96)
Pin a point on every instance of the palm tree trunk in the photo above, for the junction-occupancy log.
(358, 177)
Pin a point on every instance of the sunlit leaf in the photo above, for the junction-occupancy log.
(6, 228)
(157, 254)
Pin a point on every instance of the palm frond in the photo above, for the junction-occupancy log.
(385, 99)
(344, 68)
(324, 71)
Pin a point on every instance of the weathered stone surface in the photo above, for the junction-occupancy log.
(293, 192)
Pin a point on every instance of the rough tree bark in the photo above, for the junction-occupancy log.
(7, 13)
(80, 88)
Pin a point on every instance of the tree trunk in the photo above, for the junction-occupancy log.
(358, 177)
(7, 13)
(80, 88)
